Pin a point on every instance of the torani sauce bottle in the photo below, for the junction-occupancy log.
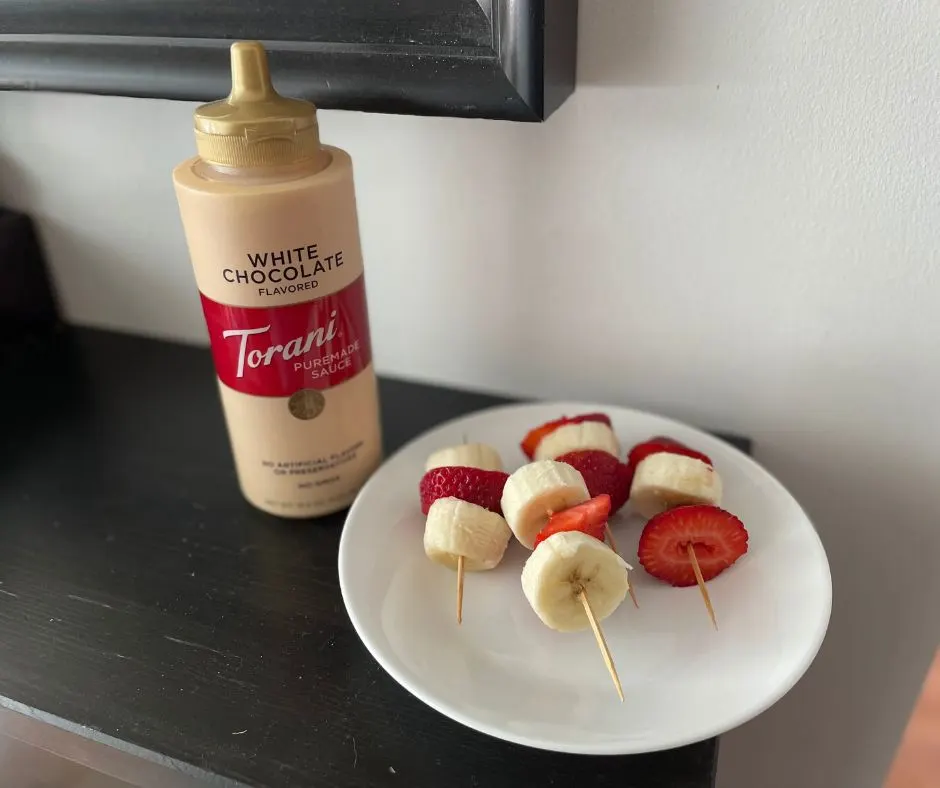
(269, 216)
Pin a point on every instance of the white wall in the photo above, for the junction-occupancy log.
(734, 220)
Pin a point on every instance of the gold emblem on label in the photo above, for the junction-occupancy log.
(306, 404)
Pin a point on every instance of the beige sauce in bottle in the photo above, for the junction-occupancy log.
(270, 221)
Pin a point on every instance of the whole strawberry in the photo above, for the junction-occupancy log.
(484, 488)
(603, 474)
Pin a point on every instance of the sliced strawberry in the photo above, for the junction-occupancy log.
(484, 488)
(531, 441)
(603, 473)
(718, 538)
(589, 517)
(662, 444)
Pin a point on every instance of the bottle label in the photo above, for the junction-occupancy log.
(277, 351)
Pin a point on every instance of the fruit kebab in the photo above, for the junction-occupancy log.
(554, 438)
(666, 473)
(689, 545)
(587, 443)
(573, 580)
(590, 517)
(460, 494)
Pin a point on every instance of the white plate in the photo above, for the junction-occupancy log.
(502, 672)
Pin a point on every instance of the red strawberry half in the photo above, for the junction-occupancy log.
(589, 517)
(484, 488)
(718, 538)
(531, 441)
(603, 473)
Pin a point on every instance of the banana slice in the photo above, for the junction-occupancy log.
(578, 437)
(663, 481)
(563, 565)
(537, 490)
(466, 455)
(456, 528)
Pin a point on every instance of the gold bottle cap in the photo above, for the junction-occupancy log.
(255, 126)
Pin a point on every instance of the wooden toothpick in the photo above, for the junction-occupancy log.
(701, 584)
(601, 642)
(460, 568)
(610, 538)
(613, 546)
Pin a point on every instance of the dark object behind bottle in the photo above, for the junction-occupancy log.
(27, 296)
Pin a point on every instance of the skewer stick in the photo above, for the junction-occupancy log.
(460, 563)
(701, 584)
(613, 546)
(601, 642)
(610, 538)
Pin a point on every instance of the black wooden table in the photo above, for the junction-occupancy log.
(156, 627)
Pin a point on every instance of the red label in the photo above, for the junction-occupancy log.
(273, 352)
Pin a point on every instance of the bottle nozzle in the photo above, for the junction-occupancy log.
(255, 126)
(251, 79)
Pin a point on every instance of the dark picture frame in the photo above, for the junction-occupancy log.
(500, 59)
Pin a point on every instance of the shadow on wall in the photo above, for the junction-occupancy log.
(15, 189)
(635, 43)
(621, 36)
(89, 267)
(839, 436)
(105, 207)
(867, 499)
(84, 257)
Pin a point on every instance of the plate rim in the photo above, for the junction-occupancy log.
(602, 748)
